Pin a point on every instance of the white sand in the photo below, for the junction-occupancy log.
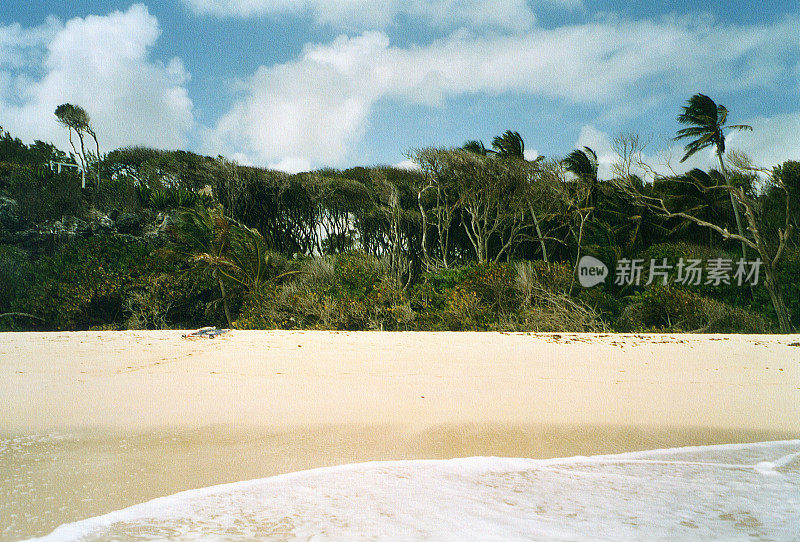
(141, 380)
(144, 414)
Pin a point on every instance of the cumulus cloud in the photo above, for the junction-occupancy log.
(317, 106)
(103, 64)
(600, 143)
(18, 44)
(373, 14)
(530, 154)
(408, 164)
(314, 108)
(291, 164)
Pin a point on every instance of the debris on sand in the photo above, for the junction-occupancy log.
(206, 332)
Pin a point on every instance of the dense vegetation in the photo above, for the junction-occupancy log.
(478, 239)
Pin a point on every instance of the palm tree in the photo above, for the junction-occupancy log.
(509, 145)
(251, 263)
(584, 165)
(211, 242)
(475, 146)
(706, 121)
(203, 238)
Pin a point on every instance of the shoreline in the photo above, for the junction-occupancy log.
(67, 477)
(95, 421)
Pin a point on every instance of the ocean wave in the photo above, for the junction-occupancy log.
(723, 492)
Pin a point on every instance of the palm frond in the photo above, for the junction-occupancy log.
(706, 121)
(582, 163)
(722, 114)
(475, 146)
(509, 145)
(690, 132)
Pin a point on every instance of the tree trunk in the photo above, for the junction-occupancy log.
(86, 165)
(578, 256)
(224, 299)
(734, 203)
(776, 296)
(80, 158)
(97, 146)
(424, 229)
(538, 233)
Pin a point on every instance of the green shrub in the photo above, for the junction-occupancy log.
(269, 308)
(731, 294)
(464, 310)
(605, 304)
(789, 279)
(493, 296)
(163, 199)
(85, 282)
(119, 194)
(161, 300)
(531, 278)
(663, 308)
(349, 291)
(357, 274)
(15, 272)
(43, 195)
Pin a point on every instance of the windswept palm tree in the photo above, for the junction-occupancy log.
(475, 146)
(706, 120)
(583, 164)
(211, 242)
(509, 145)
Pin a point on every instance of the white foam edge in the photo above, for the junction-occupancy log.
(477, 465)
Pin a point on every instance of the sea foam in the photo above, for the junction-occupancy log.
(729, 492)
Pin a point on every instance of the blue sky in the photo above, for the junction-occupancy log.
(296, 84)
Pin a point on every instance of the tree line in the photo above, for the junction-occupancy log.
(473, 204)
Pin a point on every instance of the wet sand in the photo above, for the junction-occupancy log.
(92, 422)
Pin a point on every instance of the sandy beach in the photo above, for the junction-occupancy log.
(94, 421)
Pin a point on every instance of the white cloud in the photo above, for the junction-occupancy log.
(102, 64)
(408, 164)
(772, 141)
(530, 154)
(314, 108)
(371, 14)
(317, 106)
(600, 143)
(17, 44)
(291, 164)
